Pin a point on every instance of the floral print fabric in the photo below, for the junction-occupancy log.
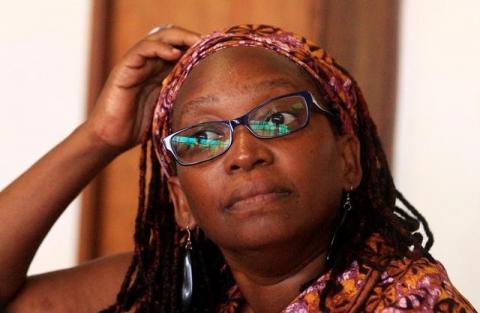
(404, 285)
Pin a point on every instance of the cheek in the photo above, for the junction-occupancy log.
(318, 156)
(321, 182)
(202, 195)
(325, 162)
(322, 169)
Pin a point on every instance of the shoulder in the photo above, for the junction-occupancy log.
(420, 285)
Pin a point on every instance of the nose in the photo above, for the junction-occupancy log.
(247, 152)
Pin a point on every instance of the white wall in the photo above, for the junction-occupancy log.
(43, 63)
(437, 137)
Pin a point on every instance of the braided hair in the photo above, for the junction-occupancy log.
(154, 279)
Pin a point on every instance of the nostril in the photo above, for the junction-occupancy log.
(259, 162)
(234, 167)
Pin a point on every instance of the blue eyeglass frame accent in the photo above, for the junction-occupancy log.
(243, 120)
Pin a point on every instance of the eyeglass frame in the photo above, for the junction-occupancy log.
(243, 120)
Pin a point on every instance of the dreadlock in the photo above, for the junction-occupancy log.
(154, 279)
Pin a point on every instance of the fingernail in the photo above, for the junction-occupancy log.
(175, 50)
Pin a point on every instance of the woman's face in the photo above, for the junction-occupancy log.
(260, 192)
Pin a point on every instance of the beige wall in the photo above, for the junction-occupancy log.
(43, 62)
(437, 137)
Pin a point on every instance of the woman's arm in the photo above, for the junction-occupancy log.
(89, 287)
(31, 204)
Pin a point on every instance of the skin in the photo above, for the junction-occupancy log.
(260, 263)
(275, 239)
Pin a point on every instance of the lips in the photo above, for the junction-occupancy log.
(255, 192)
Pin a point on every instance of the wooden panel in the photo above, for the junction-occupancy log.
(362, 36)
(349, 32)
(132, 20)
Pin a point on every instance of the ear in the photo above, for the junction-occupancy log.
(349, 149)
(183, 214)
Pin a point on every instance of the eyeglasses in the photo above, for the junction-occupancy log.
(273, 118)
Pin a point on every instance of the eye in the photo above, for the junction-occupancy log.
(279, 118)
(205, 135)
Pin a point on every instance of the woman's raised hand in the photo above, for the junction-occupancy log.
(124, 107)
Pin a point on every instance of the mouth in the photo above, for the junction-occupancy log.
(256, 195)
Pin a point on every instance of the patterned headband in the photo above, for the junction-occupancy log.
(334, 81)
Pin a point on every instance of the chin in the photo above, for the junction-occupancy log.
(260, 233)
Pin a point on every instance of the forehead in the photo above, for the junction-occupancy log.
(245, 72)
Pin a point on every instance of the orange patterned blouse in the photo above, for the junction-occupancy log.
(404, 285)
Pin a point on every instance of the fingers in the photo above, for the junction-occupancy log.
(160, 48)
(162, 44)
(176, 36)
(146, 49)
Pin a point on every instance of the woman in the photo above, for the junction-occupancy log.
(270, 191)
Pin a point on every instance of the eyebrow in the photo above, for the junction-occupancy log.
(195, 105)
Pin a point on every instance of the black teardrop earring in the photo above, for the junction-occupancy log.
(347, 207)
(187, 285)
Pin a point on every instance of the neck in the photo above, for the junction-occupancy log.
(271, 278)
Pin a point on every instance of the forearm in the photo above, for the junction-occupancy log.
(32, 203)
